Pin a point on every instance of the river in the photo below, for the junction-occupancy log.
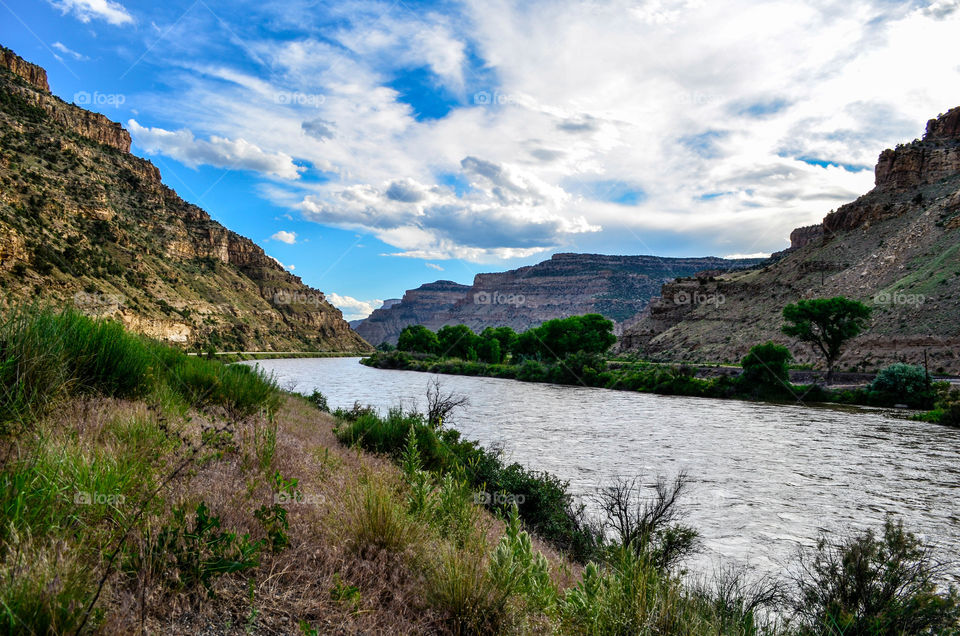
(766, 479)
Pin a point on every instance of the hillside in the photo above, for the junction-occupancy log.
(618, 287)
(83, 222)
(896, 248)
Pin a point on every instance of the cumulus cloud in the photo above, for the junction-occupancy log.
(234, 154)
(595, 138)
(285, 237)
(505, 212)
(434, 266)
(352, 308)
(86, 10)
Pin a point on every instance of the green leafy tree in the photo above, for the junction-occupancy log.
(766, 369)
(488, 350)
(557, 338)
(418, 339)
(506, 336)
(458, 341)
(826, 324)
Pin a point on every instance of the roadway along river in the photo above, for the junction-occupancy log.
(765, 478)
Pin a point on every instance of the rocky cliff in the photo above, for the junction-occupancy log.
(896, 248)
(85, 223)
(568, 284)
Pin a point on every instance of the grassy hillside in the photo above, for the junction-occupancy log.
(144, 491)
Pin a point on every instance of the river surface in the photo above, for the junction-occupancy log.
(765, 478)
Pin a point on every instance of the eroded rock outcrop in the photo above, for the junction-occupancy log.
(94, 227)
(897, 248)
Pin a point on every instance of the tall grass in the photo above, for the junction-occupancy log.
(46, 355)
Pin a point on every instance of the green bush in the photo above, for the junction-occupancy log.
(869, 584)
(766, 370)
(188, 555)
(903, 384)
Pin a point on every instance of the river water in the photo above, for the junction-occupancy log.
(766, 479)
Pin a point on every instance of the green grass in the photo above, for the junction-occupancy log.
(47, 355)
(68, 495)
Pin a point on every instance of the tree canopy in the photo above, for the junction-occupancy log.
(826, 324)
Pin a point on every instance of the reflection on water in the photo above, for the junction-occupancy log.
(764, 478)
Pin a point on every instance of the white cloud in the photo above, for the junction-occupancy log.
(285, 237)
(434, 266)
(86, 10)
(725, 124)
(352, 308)
(66, 51)
(754, 255)
(234, 154)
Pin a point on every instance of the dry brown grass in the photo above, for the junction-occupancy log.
(336, 535)
(351, 531)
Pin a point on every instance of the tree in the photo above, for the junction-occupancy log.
(488, 350)
(826, 323)
(506, 336)
(766, 368)
(418, 339)
(457, 341)
(556, 338)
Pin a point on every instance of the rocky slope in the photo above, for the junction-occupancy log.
(568, 284)
(85, 223)
(896, 248)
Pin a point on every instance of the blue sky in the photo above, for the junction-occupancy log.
(374, 146)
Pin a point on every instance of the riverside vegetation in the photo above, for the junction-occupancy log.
(573, 351)
(142, 490)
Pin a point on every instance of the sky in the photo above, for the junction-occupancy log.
(371, 147)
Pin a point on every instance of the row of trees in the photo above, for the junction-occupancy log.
(552, 340)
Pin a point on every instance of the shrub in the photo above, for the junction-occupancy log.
(869, 584)
(902, 384)
(579, 368)
(319, 400)
(766, 370)
(188, 555)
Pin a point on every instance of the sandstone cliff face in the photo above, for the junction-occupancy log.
(417, 307)
(93, 227)
(36, 91)
(617, 287)
(33, 74)
(896, 248)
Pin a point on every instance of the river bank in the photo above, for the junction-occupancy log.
(144, 490)
(658, 378)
